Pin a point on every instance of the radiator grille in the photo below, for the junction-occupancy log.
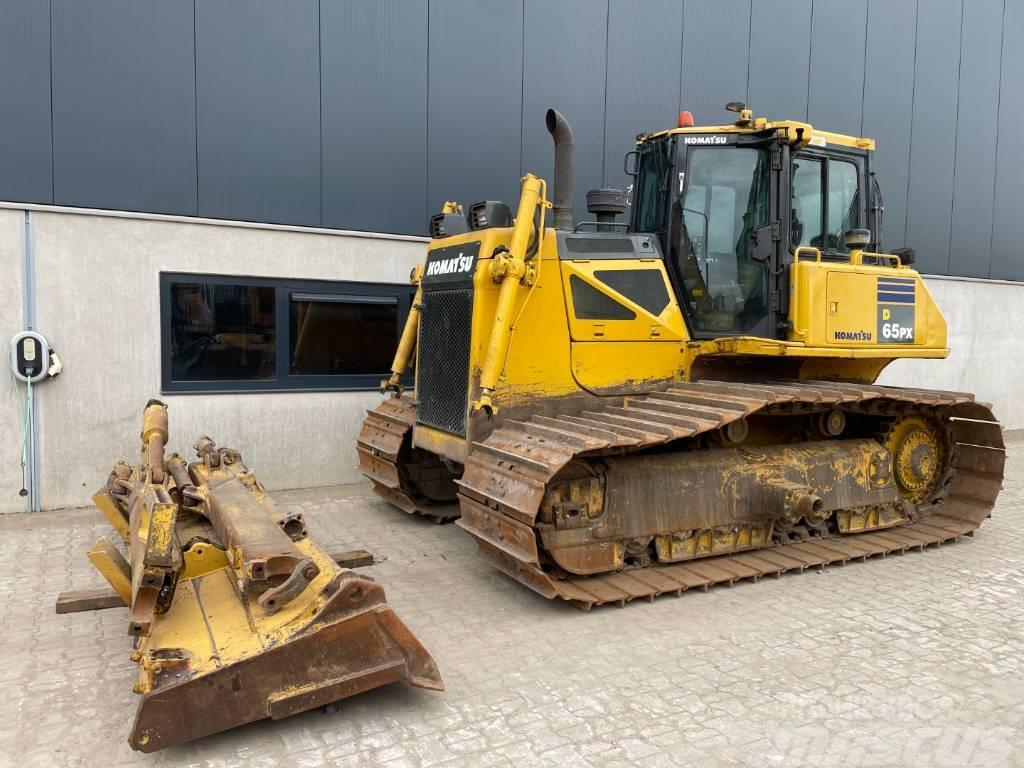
(442, 365)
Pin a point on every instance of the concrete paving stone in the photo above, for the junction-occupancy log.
(914, 659)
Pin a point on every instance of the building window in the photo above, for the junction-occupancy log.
(342, 335)
(228, 334)
(222, 332)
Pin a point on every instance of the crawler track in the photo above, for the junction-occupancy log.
(506, 475)
(385, 447)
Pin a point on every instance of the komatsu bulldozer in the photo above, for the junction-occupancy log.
(617, 410)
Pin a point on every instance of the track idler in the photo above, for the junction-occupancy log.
(237, 614)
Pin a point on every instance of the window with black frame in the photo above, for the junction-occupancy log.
(726, 199)
(332, 335)
(234, 334)
(826, 202)
(652, 187)
(222, 331)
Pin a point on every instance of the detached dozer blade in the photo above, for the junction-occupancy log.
(237, 614)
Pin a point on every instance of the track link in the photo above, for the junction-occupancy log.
(506, 476)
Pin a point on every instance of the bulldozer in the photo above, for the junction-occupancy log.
(624, 409)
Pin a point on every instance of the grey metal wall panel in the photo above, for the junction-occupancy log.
(374, 114)
(644, 59)
(26, 170)
(476, 99)
(124, 116)
(258, 105)
(780, 43)
(888, 105)
(715, 58)
(836, 93)
(933, 132)
(1007, 252)
(975, 166)
(565, 69)
(368, 114)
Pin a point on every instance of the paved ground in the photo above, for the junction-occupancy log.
(912, 660)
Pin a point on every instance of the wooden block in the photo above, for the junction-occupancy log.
(88, 600)
(354, 558)
(108, 560)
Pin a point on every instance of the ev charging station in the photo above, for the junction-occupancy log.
(32, 361)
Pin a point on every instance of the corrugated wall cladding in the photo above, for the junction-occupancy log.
(26, 148)
(368, 114)
(124, 106)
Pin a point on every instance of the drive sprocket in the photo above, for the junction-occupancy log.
(918, 446)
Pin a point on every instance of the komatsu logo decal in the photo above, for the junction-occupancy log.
(452, 266)
(456, 264)
(705, 139)
(853, 335)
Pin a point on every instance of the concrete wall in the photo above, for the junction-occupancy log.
(984, 320)
(10, 323)
(98, 305)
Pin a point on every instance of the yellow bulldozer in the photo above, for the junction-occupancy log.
(617, 410)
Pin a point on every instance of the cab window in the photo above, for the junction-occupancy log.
(726, 199)
(652, 187)
(842, 200)
(825, 203)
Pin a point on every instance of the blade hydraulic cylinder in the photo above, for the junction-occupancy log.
(510, 269)
(410, 332)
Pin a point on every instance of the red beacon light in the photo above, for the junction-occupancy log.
(685, 119)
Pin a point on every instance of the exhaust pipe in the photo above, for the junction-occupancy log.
(561, 132)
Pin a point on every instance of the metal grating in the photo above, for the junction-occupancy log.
(599, 244)
(442, 365)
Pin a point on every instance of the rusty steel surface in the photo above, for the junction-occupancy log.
(250, 528)
(352, 643)
(386, 457)
(239, 615)
(728, 499)
(508, 475)
(154, 553)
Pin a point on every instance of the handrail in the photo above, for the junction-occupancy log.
(890, 256)
(855, 256)
(811, 248)
(624, 225)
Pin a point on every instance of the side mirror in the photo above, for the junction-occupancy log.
(631, 163)
(762, 246)
(907, 255)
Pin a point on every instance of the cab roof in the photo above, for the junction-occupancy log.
(796, 132)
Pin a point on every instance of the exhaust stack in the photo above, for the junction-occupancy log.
(561, 132)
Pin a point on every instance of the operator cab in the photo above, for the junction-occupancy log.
(730, 205)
